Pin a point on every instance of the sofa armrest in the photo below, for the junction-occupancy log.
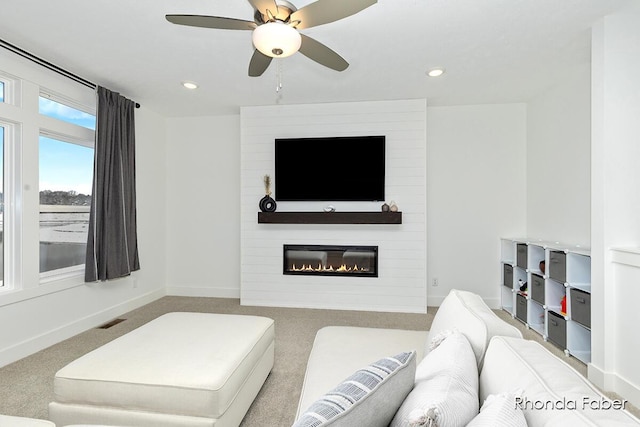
(553, 393)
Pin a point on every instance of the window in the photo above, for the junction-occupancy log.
(60, 111)
(66, 175)
(46, 174)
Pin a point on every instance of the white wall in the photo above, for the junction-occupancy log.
(401, 283)
(476, 181)
(152, 200)
(559, 161)
(37, 315)
(615, 200)
(203, 206)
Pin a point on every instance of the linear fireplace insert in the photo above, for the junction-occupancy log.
(330, 260)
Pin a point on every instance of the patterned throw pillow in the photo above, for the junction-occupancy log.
(370, 397)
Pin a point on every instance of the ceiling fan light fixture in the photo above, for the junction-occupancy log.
(276, 39)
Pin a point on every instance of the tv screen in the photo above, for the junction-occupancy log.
(330, 169)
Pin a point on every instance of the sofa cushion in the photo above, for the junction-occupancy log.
(553, 393)
(338, 351)
(468, 313)
(446, 387)
(499, 410)
(369, 397)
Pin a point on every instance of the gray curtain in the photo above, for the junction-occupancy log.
(112, 245)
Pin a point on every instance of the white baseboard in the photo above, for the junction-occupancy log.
(40, 342)
(493, 303)
(196, 291)
(435, 301)
(612, 382)
(324, 306)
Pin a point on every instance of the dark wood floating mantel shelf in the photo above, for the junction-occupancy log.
(330, 217)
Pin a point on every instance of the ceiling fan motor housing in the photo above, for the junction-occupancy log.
(283, 12)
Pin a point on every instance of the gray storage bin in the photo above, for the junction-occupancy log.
(536, 288)
(521, 255)
(507, 276)
(558, 266)
(521, 308)
(557, 329)
(580, 306)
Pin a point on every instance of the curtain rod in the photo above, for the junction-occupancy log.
(49, 65)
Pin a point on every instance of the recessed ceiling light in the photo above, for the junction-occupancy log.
(190, 85)
(435, 72)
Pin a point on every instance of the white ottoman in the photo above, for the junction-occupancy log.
(181, 369)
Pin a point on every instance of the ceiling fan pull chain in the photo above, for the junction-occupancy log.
(278, 75)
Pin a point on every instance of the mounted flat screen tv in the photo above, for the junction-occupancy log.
(330, 169)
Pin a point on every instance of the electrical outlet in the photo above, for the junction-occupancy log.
(435, 281)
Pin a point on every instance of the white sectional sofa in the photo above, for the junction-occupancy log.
(476, 359)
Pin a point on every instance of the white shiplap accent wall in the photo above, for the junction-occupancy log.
(401, 282)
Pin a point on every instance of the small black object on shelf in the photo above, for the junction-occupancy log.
(267, 204)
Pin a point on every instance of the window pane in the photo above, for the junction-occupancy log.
(66, 174)
(48, 107)
(1, 91)
(1, 205)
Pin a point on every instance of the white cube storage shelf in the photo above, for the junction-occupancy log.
(566, 274)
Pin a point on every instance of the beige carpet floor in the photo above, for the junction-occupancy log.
(26, 386)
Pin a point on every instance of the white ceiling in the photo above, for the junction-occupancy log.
(494, 51)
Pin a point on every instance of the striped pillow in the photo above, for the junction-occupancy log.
(370, 397)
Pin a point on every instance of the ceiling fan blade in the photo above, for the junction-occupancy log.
(258, 64)
(325, 11)
(263, 5)
(205, 21)
(318, 52)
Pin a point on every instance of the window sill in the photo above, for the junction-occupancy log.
(48, 285)
(61, 274)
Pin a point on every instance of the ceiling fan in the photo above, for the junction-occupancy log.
(275, 28)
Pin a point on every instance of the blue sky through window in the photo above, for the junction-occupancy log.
(1, 91)
(65, 166)
(48, 107)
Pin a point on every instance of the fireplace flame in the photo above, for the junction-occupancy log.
(319, 269)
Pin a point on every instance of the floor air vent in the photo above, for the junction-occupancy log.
(111, 323)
